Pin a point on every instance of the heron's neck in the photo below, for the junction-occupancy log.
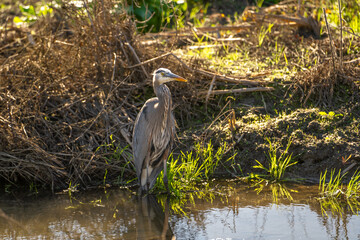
(163, 94)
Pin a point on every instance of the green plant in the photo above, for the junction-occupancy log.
(353, 187)
(263, 32)
(277, 163)
(31, 13)
(331, 116)
(119, 156)
(33, 188)
(153, 15)
(8, 188)
(335, 195)
(192, 168)
(277, 53)
(332, 188)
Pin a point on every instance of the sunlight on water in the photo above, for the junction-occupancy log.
(241, 213)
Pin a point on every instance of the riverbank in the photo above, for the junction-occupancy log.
(72, 85)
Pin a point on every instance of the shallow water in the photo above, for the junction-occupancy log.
(237, 212)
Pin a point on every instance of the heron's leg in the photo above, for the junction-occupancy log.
(147, 177)
(165, 178)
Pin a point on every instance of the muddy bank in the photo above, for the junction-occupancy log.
(318, 142)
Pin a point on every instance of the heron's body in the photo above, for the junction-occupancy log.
(154, 132)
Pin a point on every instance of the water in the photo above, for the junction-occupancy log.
(237, 212)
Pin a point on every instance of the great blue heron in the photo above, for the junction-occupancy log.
(154, 132)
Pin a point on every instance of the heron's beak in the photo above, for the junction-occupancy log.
(177, 77)
(180, 79)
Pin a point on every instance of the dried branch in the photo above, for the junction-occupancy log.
(241, 90)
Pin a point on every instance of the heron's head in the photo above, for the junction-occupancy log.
(163, 75)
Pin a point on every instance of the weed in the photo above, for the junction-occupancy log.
(33, 188)
(353, 187)
(333, 187)
(192, 168)
(71, 189)
(331, 116)
(336, 196)
(262, 34)
(277, 164)
(277, 54)
(119, 156)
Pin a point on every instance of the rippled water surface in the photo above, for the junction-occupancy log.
(237, 212)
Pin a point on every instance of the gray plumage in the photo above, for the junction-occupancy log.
(154, 132)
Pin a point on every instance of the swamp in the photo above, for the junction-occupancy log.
(267, 138)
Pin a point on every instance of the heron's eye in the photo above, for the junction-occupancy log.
(162, 74)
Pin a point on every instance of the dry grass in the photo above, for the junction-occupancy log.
(320, 83)
(63, 95)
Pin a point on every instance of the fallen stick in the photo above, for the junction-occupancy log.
(204, 29)
(224, 28)
(240, 90)
(205, 46)
(229, 79)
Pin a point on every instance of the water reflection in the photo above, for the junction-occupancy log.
(152, 222)
(240, 213)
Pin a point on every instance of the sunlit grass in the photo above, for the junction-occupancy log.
(277, 164)
(336, 196)
(350, 10)
(190, 170)
(332, 188)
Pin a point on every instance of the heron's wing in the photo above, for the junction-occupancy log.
(144, 124)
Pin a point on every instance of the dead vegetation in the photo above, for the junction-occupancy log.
(71, 86)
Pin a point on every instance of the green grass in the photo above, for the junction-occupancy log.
(336, 196)
(332, 188)
(277, 164)
(190, 170)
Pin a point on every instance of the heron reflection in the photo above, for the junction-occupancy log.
(152, 222)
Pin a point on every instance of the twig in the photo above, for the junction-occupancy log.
(221, 113)
(352, 61)
(224, 28)
(138, 59)
(240, 90)
(125, 135)
(123, 49)
(349, 168)
(331, 42)
(210, 88)
(233, 40)
(150, 60)
(341, 37)
(205, 46)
